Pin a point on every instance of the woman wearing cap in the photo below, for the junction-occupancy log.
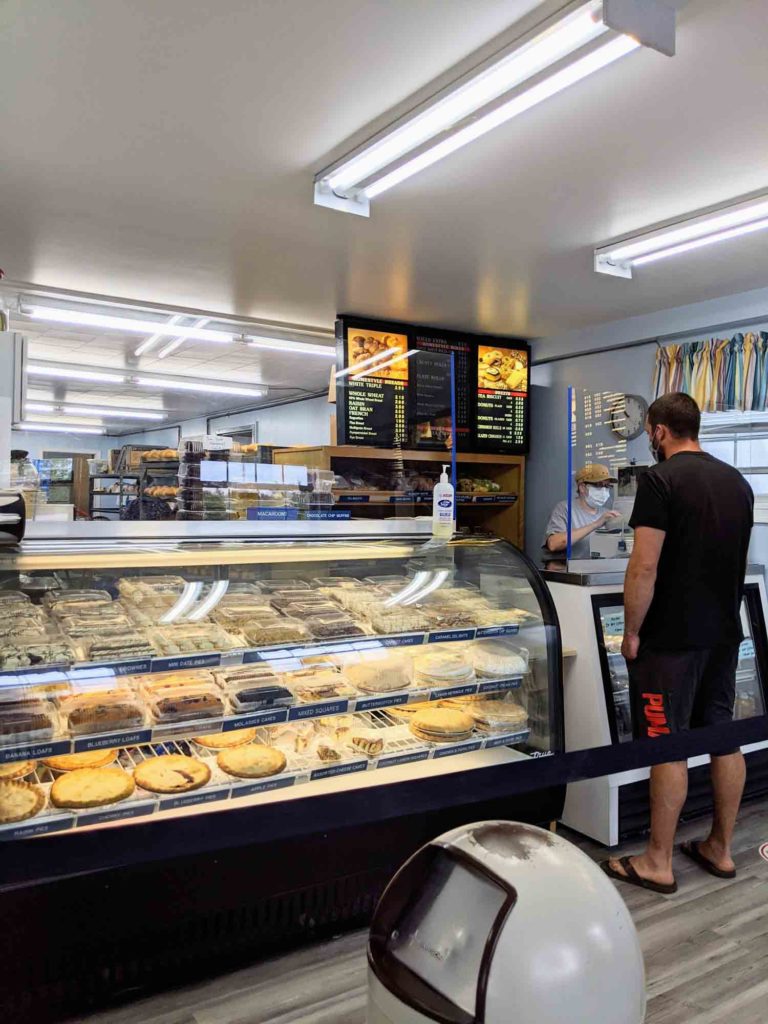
(588, 514)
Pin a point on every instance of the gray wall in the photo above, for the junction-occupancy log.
(546, 477)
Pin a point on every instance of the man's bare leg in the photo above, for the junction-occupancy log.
(669, 788)
(728, 776)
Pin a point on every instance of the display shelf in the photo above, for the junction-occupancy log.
(274, 715)
(400, 748)
(370, 499)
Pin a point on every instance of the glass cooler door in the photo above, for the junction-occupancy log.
(751, 672)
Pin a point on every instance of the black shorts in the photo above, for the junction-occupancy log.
(674, 691)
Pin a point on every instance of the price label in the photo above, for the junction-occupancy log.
(105, 741)
(338, 769)
(263, 786)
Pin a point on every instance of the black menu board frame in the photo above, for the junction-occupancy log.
(370, 411)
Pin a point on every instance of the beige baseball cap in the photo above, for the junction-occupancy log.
(595, 473)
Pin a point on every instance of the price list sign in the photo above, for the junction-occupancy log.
(502, 398)
(394, 388)
(430, 391)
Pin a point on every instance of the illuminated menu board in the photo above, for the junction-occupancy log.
(394, 388)
(502, 398)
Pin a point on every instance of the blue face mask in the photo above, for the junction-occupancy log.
(598, 496)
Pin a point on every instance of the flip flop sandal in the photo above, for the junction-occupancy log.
(632, 878)
(692, 851)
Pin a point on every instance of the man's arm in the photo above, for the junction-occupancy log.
(559, 541)
(639, 585)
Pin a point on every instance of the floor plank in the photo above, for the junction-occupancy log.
(705, 948)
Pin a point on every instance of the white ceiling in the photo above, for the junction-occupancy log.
(165, 152)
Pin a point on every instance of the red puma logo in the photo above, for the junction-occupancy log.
(655, 714)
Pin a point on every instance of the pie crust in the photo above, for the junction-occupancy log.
(171, 773)
(19, 800)
(91, 787)
(17, 769)
(87, 759)
(225, 740)
(254, 761)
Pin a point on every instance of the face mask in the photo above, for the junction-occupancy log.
(656, 451)
(598, 496)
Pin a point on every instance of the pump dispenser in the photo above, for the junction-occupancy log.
(443, 507)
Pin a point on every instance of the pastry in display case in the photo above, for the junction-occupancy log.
(269, 720)
(325, 653)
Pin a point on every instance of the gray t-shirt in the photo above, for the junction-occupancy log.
(558, 523)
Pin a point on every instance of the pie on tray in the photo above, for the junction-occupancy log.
(88, 759)
(254, 761)
(91, 787)
(225, 740)
(19, 800)
(442, 725)
(17, 769)
(171, 773)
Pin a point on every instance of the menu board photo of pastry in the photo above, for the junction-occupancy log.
(376, 353)
(502, 369)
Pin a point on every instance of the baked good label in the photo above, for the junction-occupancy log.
(494, 685)
(34, 750)
(331, 707)
(262, 785)
(458, 748)
(372, 703)
(486, 631)
(444, 635)
(274, 717)
(508, 739)
(131, 738)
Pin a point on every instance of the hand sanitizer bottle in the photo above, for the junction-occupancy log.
(443, 508)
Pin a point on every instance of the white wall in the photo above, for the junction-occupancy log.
(37, 441)
(307, 422)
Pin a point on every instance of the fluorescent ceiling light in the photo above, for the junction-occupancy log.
(41, 370)
(214, 596)
(149, 343)
(303, 347)
(94, 410)
(178, 342)
(65, 420)
(58, 429)
(743, 217)
(573, 44)
(186, 599)
(213, 389)
(121, 323)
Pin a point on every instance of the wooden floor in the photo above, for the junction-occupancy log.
(706, 954)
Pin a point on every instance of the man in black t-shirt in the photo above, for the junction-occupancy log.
(682, 629)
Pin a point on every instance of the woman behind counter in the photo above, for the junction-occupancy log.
(588, 513)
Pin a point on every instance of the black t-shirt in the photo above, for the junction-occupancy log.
(705, 508)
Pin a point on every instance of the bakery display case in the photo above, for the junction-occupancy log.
(170, 694)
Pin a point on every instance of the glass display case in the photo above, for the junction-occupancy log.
(198, 673)
(750, 673)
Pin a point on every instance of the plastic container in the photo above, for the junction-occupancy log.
(82, 626)
(32, 650)
(253, 688)
(131, 644)
(102, 711)
(333, 583)
(281, 630)
(236, 616)
(335, 624)
(387, 581)
(160, 681)
(380, 675)
(135, 588)
(272, 586)
(303, 609)
(192, 637)
(448, 618)
(397, 620)
(27, 721)
(65, 602)
(187, 703)
(284, 598)
(498, 659)
(311, 685)
(9, 598)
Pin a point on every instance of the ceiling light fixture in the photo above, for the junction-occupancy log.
(43, 370)
(58, 428)
(120, 323)
(178, 342)
(213, 389)
(93, 410)
(149, 343)
(720, 224)
(90, 421)
(287, 345)
(557, 53)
